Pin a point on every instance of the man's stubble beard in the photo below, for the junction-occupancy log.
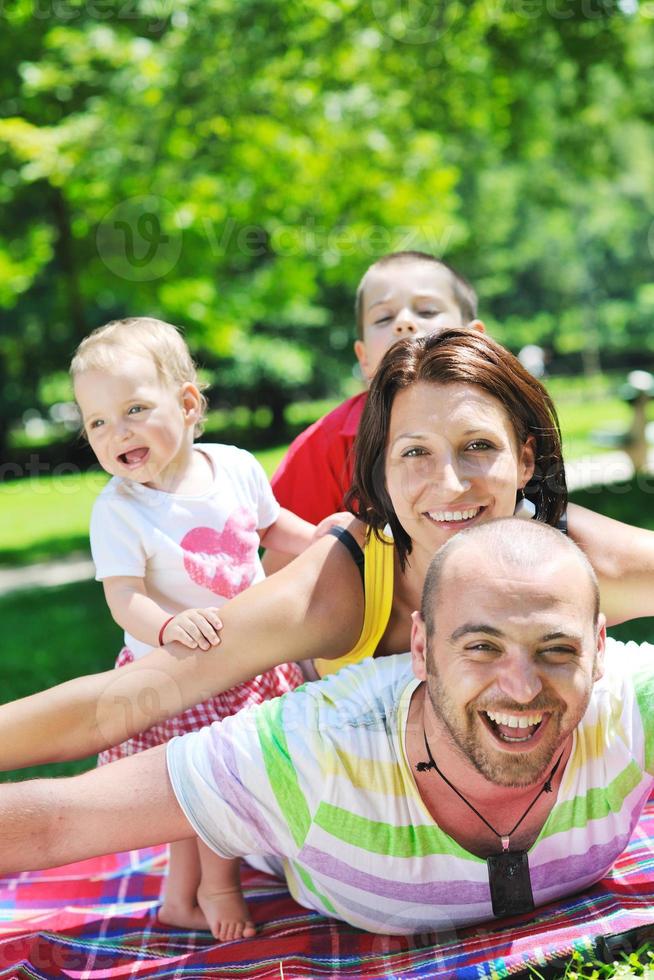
(513, 770)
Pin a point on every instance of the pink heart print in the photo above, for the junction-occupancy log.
(223, 561)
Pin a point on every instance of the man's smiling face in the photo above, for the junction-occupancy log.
(511, 662)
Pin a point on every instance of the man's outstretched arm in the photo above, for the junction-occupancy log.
(623, 559)
(118, 807)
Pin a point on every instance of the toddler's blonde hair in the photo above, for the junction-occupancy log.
(144, 336)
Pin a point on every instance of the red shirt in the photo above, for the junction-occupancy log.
(316, 471)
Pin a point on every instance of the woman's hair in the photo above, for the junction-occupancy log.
(143, 336)
(455, 357)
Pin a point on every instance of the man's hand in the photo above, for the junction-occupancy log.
(194, 628)
(342, 519)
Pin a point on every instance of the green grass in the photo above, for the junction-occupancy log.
(587, 406)
(582, 966)
(270, 458)
(580, 420)
(621, 501)
(47, 517)
(50, 636)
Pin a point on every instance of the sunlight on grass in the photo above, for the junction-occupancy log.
(581, 421)
(270, 458)
(48, 517)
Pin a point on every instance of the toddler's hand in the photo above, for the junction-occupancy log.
(342, 519)
(194, 628)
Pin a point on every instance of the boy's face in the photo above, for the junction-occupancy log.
(405, 299)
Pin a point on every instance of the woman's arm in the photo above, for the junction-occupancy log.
(623, 559)
(312, 608)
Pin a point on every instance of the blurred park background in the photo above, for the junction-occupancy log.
(233, 166)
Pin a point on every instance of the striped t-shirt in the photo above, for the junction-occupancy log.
(318, 781)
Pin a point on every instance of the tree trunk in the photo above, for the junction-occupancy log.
(68, 263)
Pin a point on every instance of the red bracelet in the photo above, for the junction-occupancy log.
(161, 631)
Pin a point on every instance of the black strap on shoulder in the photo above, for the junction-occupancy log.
(352, 546)
(562, 523)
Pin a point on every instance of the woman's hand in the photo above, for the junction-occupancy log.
(342, 519)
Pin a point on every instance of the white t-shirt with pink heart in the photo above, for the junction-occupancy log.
(192, 551)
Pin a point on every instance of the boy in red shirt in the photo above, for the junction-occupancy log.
(403, 294)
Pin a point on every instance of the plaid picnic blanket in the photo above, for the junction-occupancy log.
(97, 919)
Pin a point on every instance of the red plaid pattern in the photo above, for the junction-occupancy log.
(98, 919)
(272, 684)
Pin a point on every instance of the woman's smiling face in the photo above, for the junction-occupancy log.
(452, 460)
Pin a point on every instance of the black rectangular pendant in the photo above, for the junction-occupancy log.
(510, 883)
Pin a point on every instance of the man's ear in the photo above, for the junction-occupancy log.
(362, 357)
(191, 403)
(598, 670)
(419, 646)
(477, 325)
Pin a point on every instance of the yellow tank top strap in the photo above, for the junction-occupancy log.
(378, 589)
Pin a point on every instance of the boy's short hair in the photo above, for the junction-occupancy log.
(143, 336)
(464, 294)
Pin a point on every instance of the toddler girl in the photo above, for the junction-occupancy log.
(174, 535)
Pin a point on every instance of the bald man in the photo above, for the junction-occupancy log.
(500, 765)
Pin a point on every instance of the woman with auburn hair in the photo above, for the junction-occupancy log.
(455, 433)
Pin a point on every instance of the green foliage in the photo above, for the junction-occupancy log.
(235, 166)
(583, 966)
(628, 502)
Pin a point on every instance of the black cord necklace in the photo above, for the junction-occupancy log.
(508, 872)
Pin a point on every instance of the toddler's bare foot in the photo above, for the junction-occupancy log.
(182, 914)
(226, 913)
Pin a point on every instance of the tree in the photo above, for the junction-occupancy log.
(235, 166)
